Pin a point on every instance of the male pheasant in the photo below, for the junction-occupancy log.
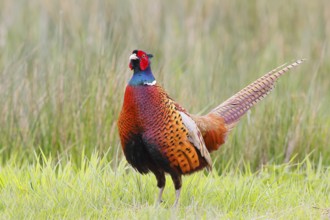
(160, 136)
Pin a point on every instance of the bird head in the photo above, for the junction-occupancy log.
(139, 60)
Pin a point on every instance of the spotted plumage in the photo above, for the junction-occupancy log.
(160, 136)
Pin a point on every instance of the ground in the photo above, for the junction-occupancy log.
(95, 190)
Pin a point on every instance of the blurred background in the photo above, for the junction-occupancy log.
(64, 68)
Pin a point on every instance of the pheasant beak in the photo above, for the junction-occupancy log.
(133, 57)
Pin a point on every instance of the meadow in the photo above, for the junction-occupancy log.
(63, 70)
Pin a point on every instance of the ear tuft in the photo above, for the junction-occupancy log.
(150, 55)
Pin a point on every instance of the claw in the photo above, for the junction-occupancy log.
(177, 196)
(159, 200)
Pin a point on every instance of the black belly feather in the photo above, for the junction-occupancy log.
(136, 154)
(145, 157)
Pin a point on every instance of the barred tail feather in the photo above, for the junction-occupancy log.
(236, 106)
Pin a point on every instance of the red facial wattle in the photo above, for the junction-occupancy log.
(143, 60)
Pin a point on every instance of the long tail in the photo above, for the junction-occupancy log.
(236, 106)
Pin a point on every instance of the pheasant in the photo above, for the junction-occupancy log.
(160, 136)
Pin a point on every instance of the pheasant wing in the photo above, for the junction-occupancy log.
(196, 138)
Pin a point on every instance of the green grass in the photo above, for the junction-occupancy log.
(63, 70)
(96, 190)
